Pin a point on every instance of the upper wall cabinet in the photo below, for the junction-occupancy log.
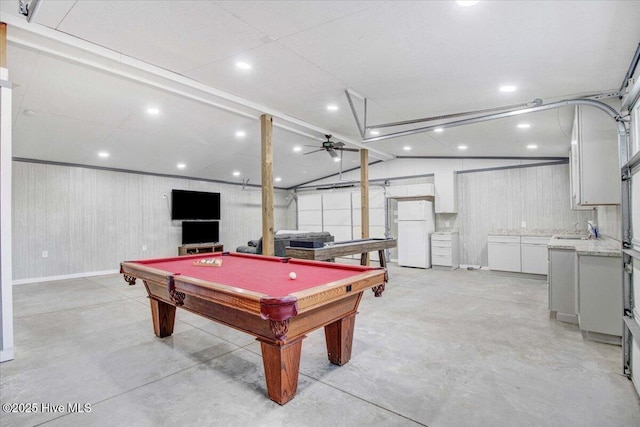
(595, 168)
(445, 188)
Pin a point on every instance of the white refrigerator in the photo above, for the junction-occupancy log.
(415, 224)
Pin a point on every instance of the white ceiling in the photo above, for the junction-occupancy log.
(87, 71)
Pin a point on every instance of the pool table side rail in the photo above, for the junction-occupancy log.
(266, 306)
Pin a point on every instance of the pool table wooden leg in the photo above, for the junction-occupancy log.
(339, 336)
(164, 317)
(281, 367)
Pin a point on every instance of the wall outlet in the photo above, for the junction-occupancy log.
(45, 254)
(144, 248)
(523, 224)
(446, 223)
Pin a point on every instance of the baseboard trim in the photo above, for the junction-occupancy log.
(63, 277)
(6, 355)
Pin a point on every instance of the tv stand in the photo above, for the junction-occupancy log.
(197, 248)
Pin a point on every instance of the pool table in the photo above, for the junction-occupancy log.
(255, 294)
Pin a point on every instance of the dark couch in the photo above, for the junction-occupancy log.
(283, 239)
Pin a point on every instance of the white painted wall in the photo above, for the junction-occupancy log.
(90, 220)
(488, 200)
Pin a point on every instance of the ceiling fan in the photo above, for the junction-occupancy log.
(331, 147)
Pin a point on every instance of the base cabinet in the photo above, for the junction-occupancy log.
(563, 301)
(444, 249)
(534, 254)
(504, 253)
(600, 303)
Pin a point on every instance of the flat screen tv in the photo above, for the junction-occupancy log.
(194, 205)
(200, 232)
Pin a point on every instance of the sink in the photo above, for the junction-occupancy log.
(572, 237)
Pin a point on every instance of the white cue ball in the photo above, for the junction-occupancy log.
(292, 275)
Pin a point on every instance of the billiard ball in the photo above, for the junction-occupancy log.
(292, 275)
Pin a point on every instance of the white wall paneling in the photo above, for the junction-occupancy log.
(6, 255)
(90, 220)
(504, 198)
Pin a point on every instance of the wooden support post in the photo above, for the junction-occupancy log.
(364, 198)
(266, 129)
(3, 45)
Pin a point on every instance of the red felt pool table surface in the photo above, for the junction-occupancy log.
(265, 275)
(254, 294)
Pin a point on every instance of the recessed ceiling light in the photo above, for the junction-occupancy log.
(336, 159)
(532, 146)
(236, 173)
(278, 179)
(406, 148)
(508, 88)
(467, 3)
(439, 130)
(374, 132)
(103, 154)
(153, 111)
(241, 134)
(243, 65)
(297, 149)
(462, 147)
(332, 107)
(181, 166)
(524, 125)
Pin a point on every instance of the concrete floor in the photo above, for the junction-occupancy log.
(440, 348)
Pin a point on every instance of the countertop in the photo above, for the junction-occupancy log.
(536, 232)
(452, 231)
(603, 246)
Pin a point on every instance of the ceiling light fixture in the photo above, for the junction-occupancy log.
(462, 147)
(243, 65)
(103, 154)
(508, 88)
(439, 130)
(297, 149)
(241, 134)
(524, 125)
(236, 173)
(332, 107)
(406, 148)
(336, 159)
(153, 111)
(181, 166)
(374, 132)
(278, 179)
(532, 146)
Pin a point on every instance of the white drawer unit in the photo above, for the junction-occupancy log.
(504, 253)
(444, 249)
(534, 254)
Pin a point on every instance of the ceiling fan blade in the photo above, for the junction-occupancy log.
(354, 150)
(338, 144)
(332, 152)
(314, 151)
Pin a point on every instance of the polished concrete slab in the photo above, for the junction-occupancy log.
(440, 348)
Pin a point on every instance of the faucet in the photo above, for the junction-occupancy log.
(589, 227)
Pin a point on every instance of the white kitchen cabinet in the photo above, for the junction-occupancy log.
(444, 249)
(563, 300)
(534, 253)
(504, 253)
(594, 160)
(445, 189)
(600, 290)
